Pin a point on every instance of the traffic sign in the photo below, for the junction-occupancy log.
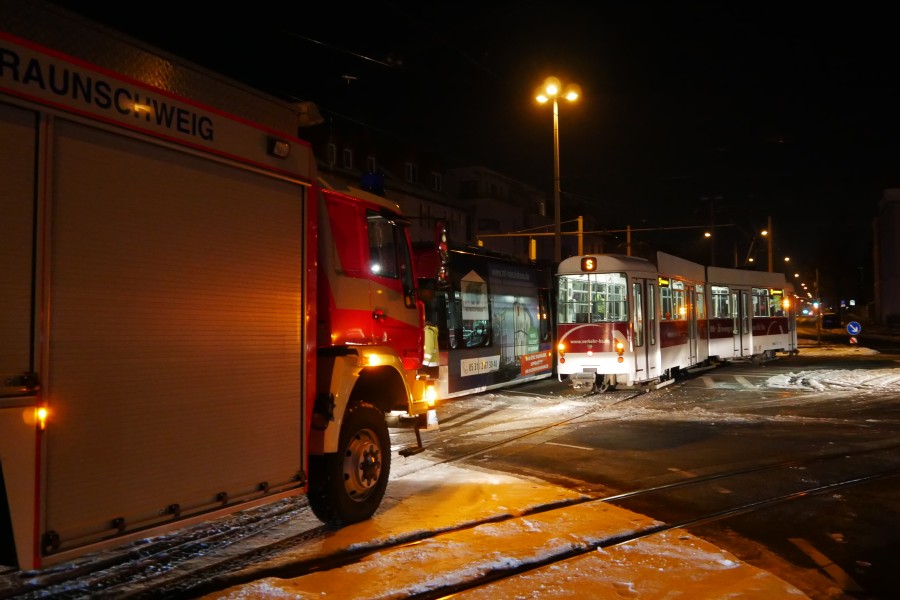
(853, 328)
(852, 340)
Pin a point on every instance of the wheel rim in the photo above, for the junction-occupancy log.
(362, 465)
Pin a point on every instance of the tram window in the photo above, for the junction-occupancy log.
(593, 298)
(474, 326)
(745, 313)
(776, 303)
(608, 301)
(454, 327)
(719, 302)
(700, 303)
(544, 314)
(638, 301)
(679, 301)
(573, 297)
(760, 302)
(666, 303)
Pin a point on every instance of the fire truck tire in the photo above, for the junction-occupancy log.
(348, 486)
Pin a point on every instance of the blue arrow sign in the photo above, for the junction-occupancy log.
(853, 328)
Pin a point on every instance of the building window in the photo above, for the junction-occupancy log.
(348, 158)
(436, 181)
(371, 165)
(331, 154)
(412, 172)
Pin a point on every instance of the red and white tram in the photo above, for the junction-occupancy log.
(751, 314)
(625, 321)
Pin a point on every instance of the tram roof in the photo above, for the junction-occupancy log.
(608, 263)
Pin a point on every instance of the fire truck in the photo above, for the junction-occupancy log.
(190, 323)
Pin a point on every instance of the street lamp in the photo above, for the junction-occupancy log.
(552, 90)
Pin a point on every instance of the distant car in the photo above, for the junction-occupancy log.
(830, 321)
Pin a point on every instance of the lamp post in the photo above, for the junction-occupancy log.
(552, 91)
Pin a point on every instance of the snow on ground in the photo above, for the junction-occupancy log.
(841, 379)
(424, 496)
(673, 564)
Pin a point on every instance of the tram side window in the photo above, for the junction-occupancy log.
(474, 302)
(679, 302)
(776, 303)
(719, 302)
(666, 303)
(761, 302)
(699, 298)
(673, 302)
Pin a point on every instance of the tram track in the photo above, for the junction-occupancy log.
(166, 567)
(300, 569)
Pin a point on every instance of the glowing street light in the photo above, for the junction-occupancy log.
(552, 91)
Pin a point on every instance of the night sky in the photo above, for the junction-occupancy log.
(692, 113)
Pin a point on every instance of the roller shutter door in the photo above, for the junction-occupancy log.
(17, 196)
(174, 338)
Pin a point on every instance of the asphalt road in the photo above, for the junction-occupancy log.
(807, 478)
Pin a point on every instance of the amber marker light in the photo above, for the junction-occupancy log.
(41, 413)
(431, 395)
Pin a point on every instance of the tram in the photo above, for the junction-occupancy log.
(488, 319)
(752, 314)
(629, 322)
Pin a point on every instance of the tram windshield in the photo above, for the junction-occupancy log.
(593, 298)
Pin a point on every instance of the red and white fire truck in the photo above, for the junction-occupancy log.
(190, 324)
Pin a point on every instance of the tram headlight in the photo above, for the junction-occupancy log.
(620, 347)
(561, 350)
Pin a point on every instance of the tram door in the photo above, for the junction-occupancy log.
(744, 336)
(695, 299)
(645, 329)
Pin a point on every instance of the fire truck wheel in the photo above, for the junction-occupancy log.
(347, 486)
